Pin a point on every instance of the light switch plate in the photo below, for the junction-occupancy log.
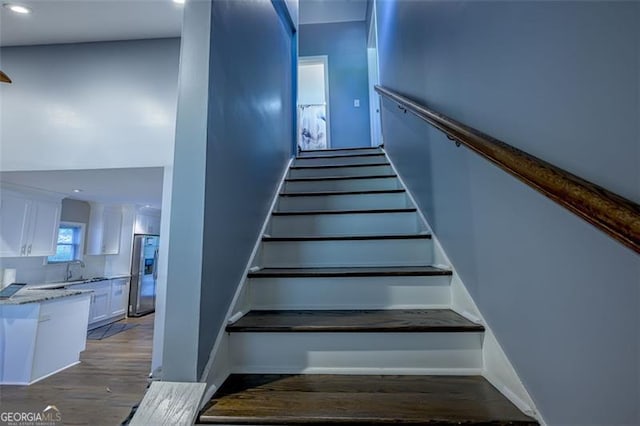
(356, 103)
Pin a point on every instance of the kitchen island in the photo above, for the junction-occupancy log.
(41, 332)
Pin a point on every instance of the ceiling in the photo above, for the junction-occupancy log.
(326, 11)
(72, 21)
(140, 186)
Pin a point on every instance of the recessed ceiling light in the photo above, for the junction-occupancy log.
(179, 1)
(17, 8)
(77, 190)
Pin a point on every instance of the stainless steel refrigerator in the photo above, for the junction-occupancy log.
(144, 273)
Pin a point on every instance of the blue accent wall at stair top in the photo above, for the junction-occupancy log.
(560, 80)
(345, 44)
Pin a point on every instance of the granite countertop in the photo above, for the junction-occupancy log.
(67, 284)
(35, 295)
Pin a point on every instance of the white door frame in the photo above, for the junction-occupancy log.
(374, 78)
(324, 60)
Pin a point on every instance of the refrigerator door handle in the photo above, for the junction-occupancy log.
(155, 265)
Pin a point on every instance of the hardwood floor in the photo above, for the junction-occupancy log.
(111, 378)
(362, 321)
(360, 400)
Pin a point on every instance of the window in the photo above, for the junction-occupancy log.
(69, 246)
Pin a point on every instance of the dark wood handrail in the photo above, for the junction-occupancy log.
(613, 214)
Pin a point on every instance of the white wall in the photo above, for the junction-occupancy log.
(89, 105)
(311, 84)
(163, 263)
(184, 271)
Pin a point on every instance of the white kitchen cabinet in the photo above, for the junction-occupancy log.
(28, 226)
(13, 219)
(100, 302)
(109, 300)
(119, 296)
(43, 233)
(105, 227)
(147, 224)
(42, 337)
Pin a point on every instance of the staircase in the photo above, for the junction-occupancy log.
(349, 322)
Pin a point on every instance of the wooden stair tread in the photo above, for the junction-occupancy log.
(362, 399)
(324, 193)
(358, 211)
(343, 155)
(355, 148)
(335, 166)
(365, 271)
(366, 320)
(348, 237)
(321, 178)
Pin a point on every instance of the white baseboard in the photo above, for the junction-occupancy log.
(362, 371)
(497, 368)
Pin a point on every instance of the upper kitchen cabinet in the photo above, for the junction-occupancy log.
(105, 226)
(147, 222)
(28, 224)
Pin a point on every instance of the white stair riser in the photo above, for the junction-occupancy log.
(366, 150)
(396, 292)
(369, 159)
(342, 185)
(391, 252)
(345, 224)
(341, 171)
(363, 353)
(396, 200)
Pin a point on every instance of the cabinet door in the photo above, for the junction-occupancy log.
(43, 232)
(119, 296)
(91, 304)
(154, 225)
(141, 226)
(101, 302)
(112, 227)
(96, 227)
(13, 222)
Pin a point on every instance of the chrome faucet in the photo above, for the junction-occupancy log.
(68, 275)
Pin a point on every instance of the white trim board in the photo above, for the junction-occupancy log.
(218, 366)
(497, 368)
(169, 403)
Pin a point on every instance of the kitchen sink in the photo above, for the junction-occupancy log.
(62, 284)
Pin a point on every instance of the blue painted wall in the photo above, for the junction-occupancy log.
(345, 44)
(249, 144)
(560, 80)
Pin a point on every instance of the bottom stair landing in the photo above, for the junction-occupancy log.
(358, 400)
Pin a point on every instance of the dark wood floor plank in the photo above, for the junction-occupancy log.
(343, 399)
(362, 321)
(342, 155)
(349, 237)
(358, 148)
(112, 377)
(360, 211)
(337, 166)
(364, 271)
(323, 193)
(332, 178)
